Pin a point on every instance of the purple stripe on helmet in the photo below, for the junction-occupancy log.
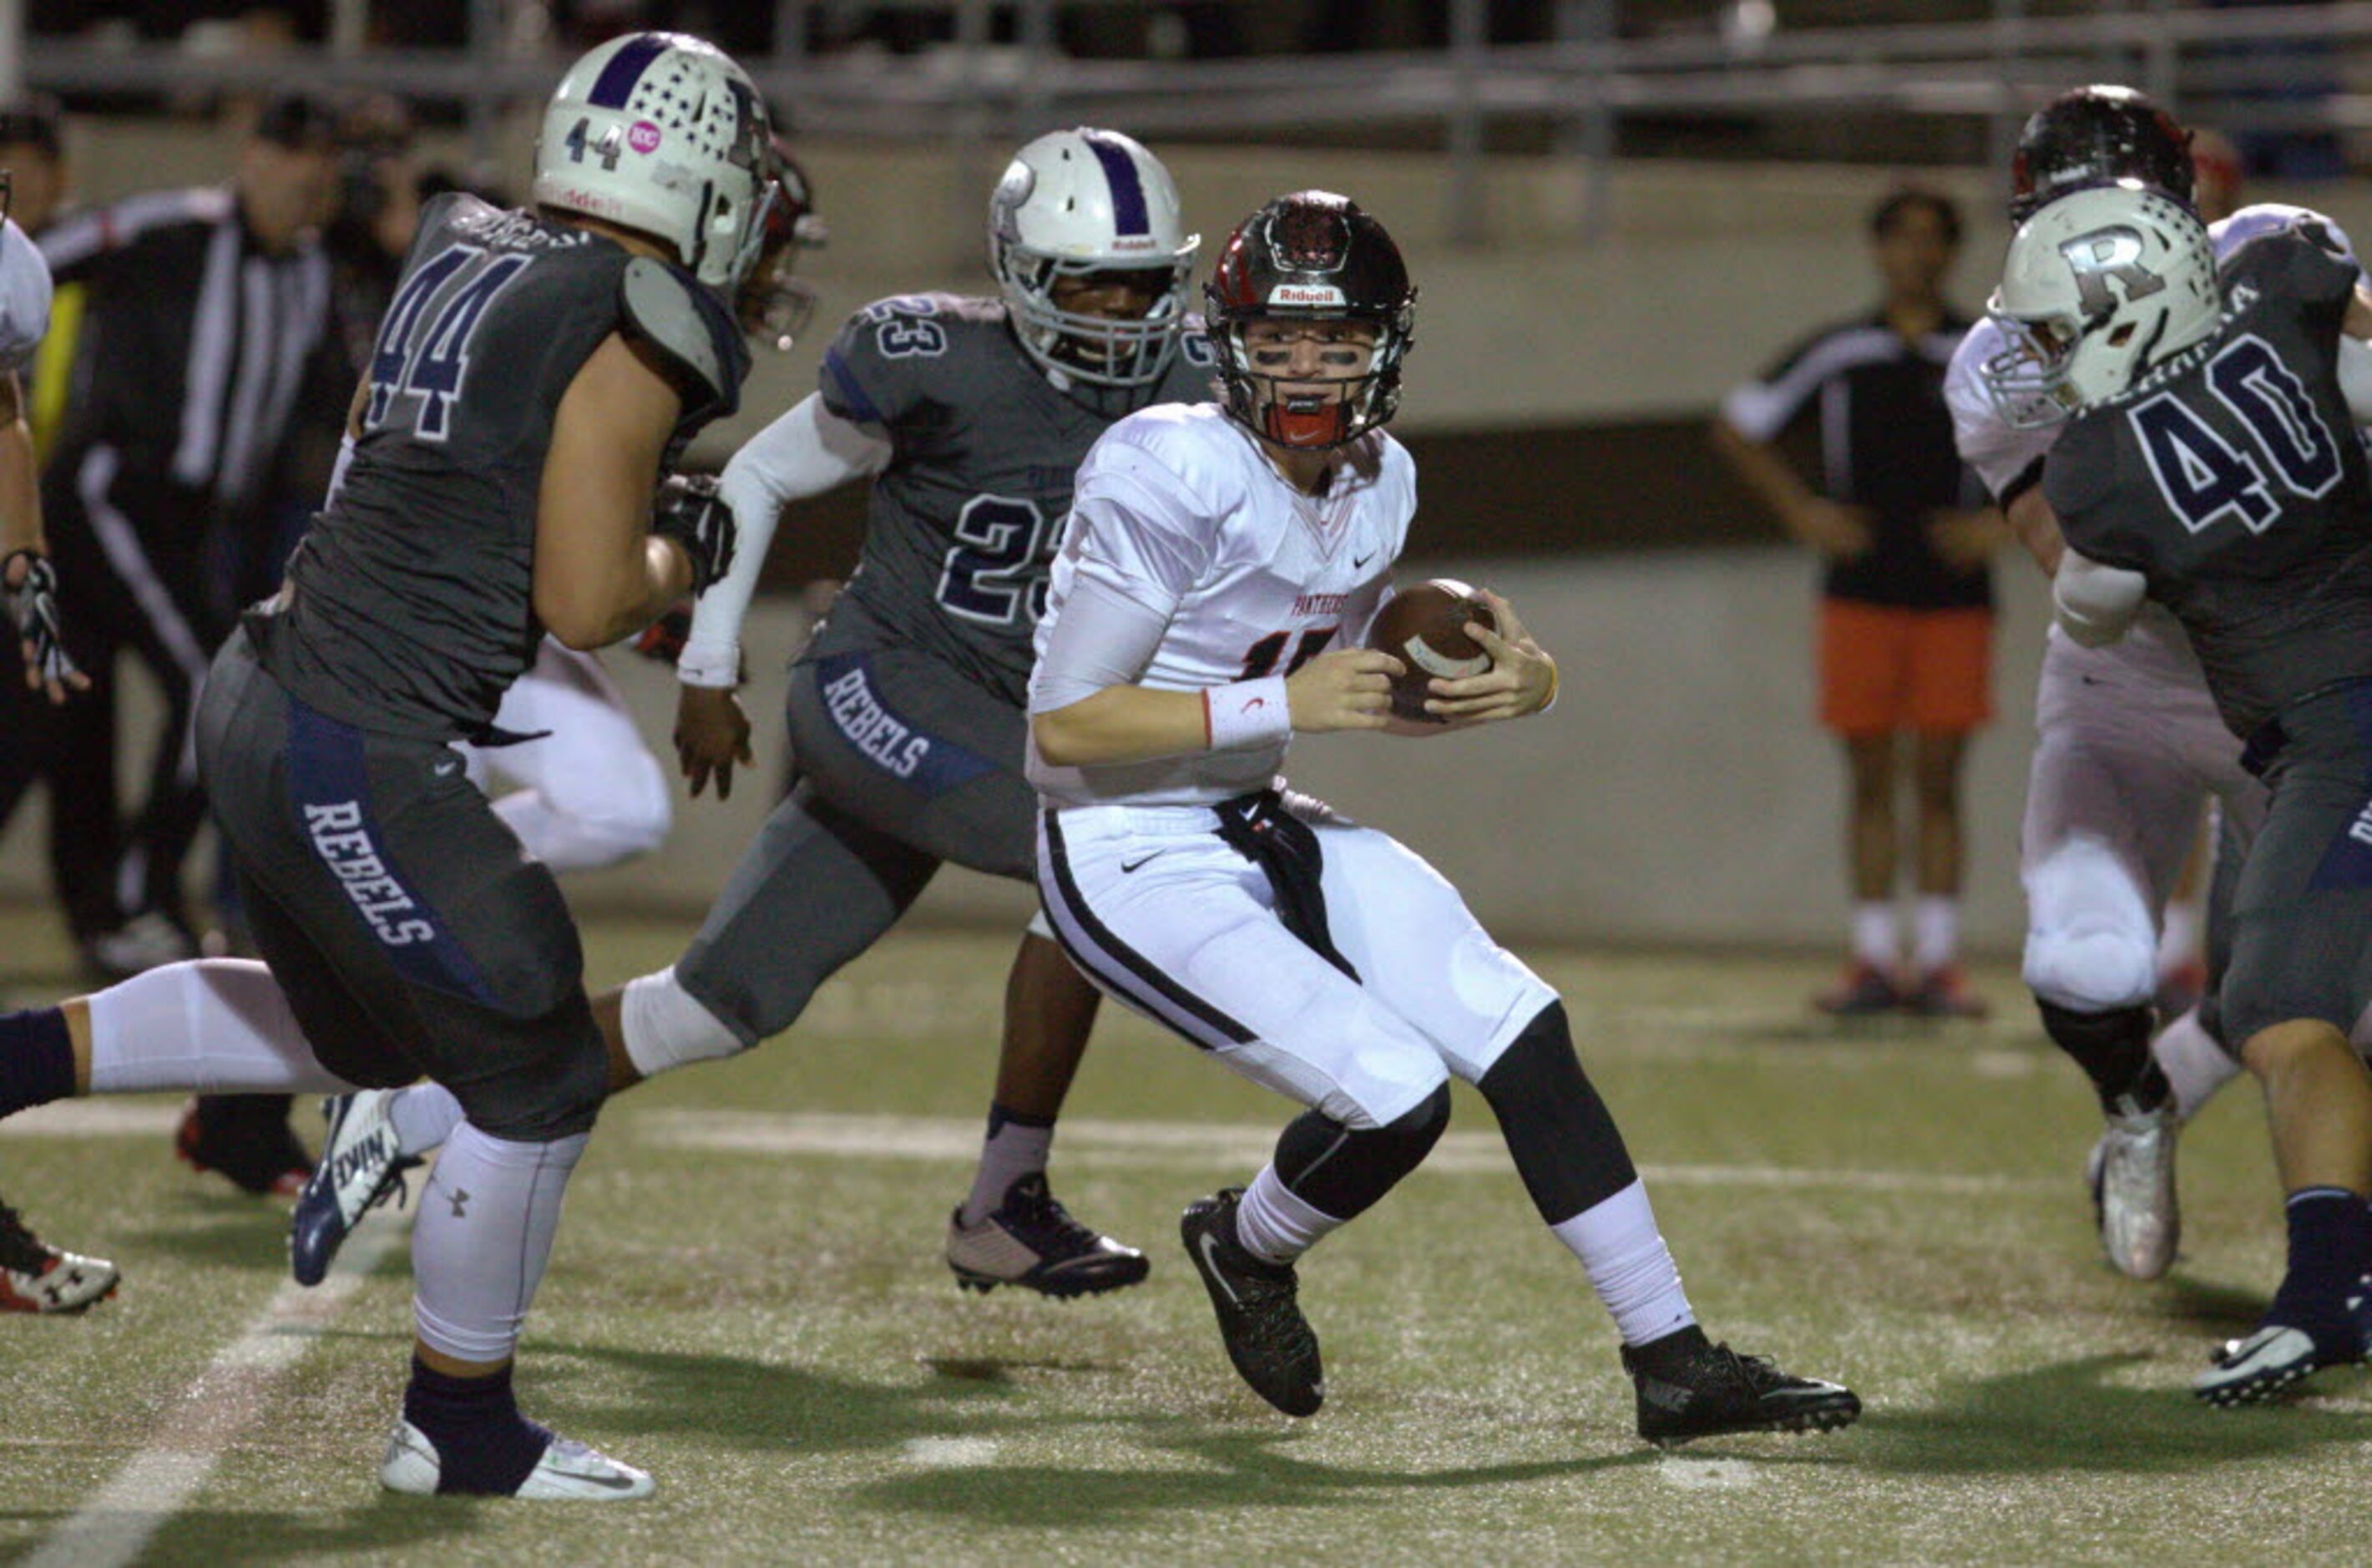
(616, 83)
(1129, 214)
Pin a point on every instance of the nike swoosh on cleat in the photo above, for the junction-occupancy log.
(1209, 1245)
(614, 1482)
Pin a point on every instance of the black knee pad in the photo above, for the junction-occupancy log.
(2113, 1048)
(1559, 1133)
(547, 1086)
(1341, 1171)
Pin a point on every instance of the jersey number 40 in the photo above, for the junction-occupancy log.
(429, 364)
(2205, 477)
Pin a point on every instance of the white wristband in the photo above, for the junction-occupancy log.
(697, 666)
(1248, 712)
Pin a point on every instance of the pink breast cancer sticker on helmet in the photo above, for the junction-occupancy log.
(643, 136)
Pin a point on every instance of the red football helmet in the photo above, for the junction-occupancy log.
(1311, 257)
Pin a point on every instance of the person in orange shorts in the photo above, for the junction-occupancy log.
(1905, 630)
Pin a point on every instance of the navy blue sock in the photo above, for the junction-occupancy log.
(36, 1059)
(483, 1443)
(2330, 1252)
(999, 1119)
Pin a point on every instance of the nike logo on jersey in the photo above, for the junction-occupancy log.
(1128, 865)
(446, 768)
(1256, 703)
(1359, 561)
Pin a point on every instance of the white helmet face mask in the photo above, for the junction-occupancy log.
(663, 133)
(2100, 287)
(1078, 202)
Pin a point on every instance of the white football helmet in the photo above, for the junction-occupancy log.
(663, 133)
(2100, 287)
(1088, 201)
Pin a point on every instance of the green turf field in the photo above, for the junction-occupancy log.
(748, 1300)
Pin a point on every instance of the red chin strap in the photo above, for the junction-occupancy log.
(1315, 422)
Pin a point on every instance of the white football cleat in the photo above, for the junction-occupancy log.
(569, 1471)
(2132, 1174)
(361, 1167)
(37, 1277)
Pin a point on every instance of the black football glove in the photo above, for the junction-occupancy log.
(32, 605)
(690, 511)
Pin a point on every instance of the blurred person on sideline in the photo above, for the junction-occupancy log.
(1906, 614)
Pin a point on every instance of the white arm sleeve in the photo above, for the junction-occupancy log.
(2096, 604)
(805, 452)
(2355, 376)
(24, 298)
(1134, 527)
(1102, 638)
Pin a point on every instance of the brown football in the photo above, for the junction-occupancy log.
(1424, 627)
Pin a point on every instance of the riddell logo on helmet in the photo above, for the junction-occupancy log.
(1305, 294)
(1132, 242)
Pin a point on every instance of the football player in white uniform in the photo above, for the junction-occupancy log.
(1214, 553)
(2128, 741)
(34, 1276)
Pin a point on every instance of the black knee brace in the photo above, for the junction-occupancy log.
(1341, 1171)
(1559, 1133)
(2113, 1049)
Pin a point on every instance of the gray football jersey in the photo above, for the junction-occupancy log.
(412, 604)
(2234, 480)
(965, 518)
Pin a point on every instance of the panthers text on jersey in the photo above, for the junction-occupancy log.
(410, 606)
(964, 520)
(2233, 481)
(1180, 512)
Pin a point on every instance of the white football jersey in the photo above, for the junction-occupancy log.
(1178, 510)
(24, 298)
(2000, 453)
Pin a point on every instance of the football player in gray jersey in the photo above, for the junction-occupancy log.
(969, 416)
(405, 930)
(2211, 465)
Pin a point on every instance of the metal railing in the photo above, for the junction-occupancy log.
(2238, 67)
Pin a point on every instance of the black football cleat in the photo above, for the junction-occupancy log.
(1260, 1313)
(1030, 1240)
(1691, 1388)
(245, 1138)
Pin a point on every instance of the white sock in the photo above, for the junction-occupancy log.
(1875, 940)
(2193, 1064)
(484, 1235)
(1629, 1266)
(217, 1026)
(1935, 930)
(1015, 1150)
(423, 1116)
(1275, 1224)
(2177, 937)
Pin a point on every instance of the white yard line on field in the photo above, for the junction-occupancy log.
(192, 1432)
(1136, 1145)
(1197, 1144)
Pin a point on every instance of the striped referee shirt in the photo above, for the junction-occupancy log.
(195, 340)
(1886, 443)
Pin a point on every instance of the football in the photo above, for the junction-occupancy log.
(1425, 628)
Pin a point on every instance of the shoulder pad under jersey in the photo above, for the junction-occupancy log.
(667, 309)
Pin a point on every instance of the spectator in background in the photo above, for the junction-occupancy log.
(1906, 613)
(205, 325)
